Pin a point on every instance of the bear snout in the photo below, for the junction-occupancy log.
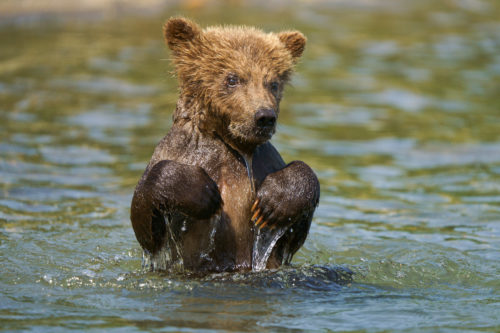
(265, 118)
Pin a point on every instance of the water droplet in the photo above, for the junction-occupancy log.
(88, 273)
(48, 278)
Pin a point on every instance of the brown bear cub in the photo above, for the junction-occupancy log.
(215, 185)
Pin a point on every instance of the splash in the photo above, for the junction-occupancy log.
(263, 245)
(160, 261)
(170, 257)
(205, 253)
(175, 264)
(163, 260)
(264, 242)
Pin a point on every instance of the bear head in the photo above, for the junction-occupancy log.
(231, 78)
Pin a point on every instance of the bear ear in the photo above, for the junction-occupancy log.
(179, 30)
(294, 41)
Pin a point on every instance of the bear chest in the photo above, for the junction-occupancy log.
(236, 192)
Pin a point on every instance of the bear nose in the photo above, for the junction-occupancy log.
(265, 117)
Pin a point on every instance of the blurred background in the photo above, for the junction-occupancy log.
(395, 105)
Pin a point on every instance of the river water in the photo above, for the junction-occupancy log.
(395, 105)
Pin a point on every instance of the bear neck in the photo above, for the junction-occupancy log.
(189, 112)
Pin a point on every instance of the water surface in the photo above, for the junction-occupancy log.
(395, 105)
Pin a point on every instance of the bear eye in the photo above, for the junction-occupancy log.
(274, 87)
(232, 80)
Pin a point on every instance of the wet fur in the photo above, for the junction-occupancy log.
(197, 172)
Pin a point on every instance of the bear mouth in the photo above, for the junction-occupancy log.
(250, 135)
(264, 133)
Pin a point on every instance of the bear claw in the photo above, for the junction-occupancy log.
(255, 205)
(263, 225)
(255, 215)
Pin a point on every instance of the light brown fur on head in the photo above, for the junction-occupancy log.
(226, 74)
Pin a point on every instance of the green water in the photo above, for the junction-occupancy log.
(396, 106)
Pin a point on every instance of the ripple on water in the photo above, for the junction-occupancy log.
(407, 100)
(29, 207)
(314, 277)
(441, 154)
(112, 124)
(110, 116)
(76, 155)
(10, 149)
(105, 85)
(324, 115)
(46, 194)
(15, 172)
